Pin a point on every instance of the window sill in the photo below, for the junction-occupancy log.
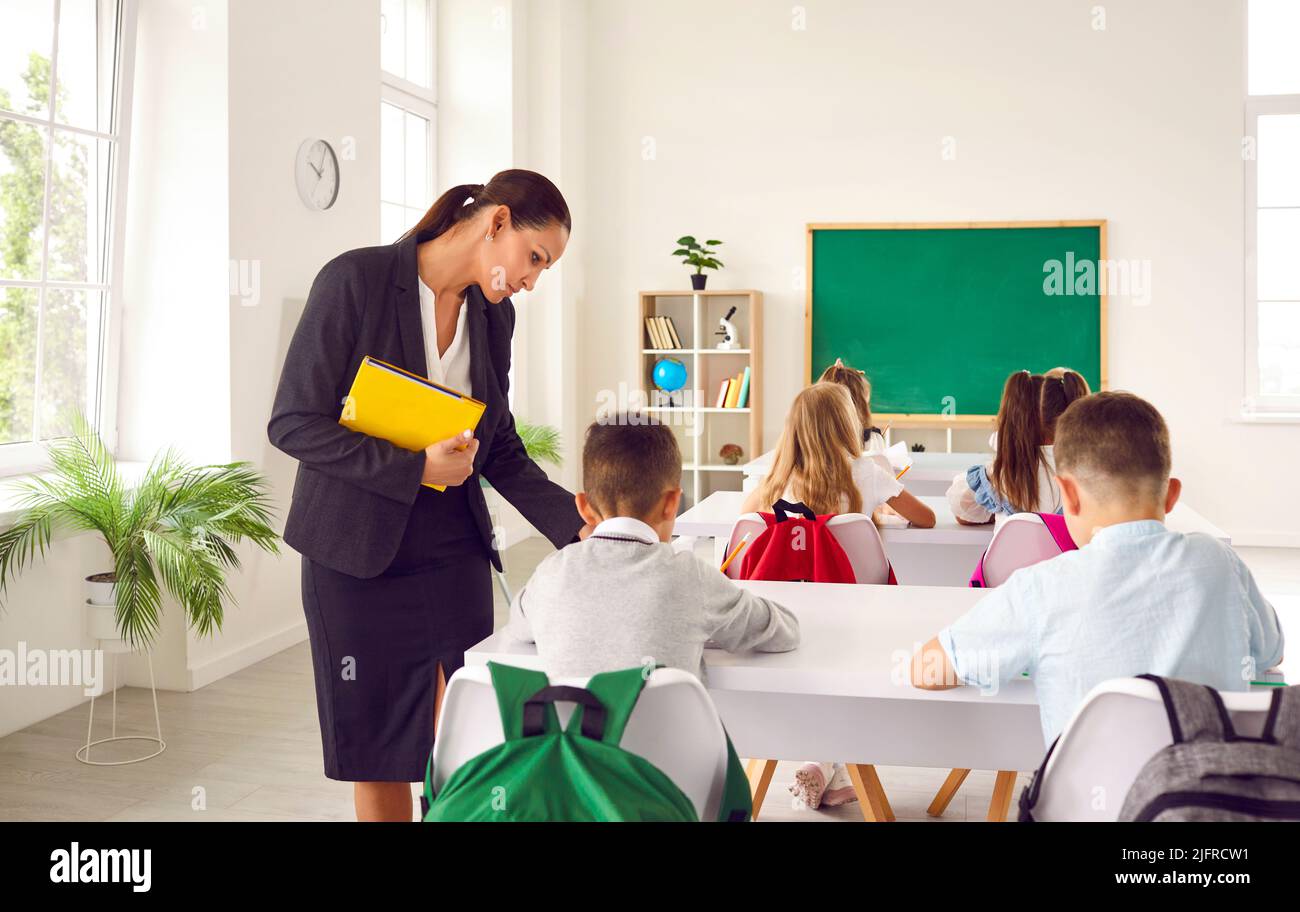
(1266, 418)
(11, 498)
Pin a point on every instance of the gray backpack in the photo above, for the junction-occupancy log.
(1210, 772)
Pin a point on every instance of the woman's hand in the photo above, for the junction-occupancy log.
(444, 464)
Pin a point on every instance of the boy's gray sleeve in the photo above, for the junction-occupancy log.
(518, 627)
(737, 620)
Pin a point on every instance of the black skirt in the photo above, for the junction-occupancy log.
(376, 643)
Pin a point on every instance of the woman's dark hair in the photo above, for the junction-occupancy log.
(534, 202)
(1020, 433)
(1059, 390)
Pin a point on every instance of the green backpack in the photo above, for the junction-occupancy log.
(541, 772)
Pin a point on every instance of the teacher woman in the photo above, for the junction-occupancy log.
(395, 575)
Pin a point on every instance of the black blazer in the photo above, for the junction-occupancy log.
(354, 492)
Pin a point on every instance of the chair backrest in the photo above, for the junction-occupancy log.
(855, 532)
(1121, 724)
(1021, 540)
(860, 539)
(674, 726)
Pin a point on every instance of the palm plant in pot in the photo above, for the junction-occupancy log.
(175, 529)
(698, 255)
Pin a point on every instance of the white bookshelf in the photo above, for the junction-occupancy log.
(701, 426)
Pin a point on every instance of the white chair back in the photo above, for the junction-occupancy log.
(1120, 725)
(674, 726)
(855, 532)
(1023, 539)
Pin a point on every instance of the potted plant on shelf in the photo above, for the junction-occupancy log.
(698, 255)
(173, 530)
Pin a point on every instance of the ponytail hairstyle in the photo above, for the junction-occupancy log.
(815, 454)
(859, 387)
(1061, 386)
(534, 202)
(1020, 433)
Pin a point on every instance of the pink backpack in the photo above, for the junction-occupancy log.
(1055, 524)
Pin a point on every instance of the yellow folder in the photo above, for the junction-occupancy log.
(406, 409)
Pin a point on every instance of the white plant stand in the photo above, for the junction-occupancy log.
(100, 625)
(83, 753)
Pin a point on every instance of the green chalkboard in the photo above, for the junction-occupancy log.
(939, 316)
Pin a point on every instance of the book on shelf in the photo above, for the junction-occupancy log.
(722, 394)
(672, 332)
(663, 332)
(743, 399)
(652, 328)
(733, 393)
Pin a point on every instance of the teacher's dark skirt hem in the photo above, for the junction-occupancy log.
(375, 646)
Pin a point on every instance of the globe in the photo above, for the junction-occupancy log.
(669, 375)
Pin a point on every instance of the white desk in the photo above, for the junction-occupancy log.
(930, 474)
(943, 556)
(844, 693)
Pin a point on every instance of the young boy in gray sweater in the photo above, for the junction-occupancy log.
(623, 597)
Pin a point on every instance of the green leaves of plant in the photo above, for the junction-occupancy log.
(696, 254)
(178, 524)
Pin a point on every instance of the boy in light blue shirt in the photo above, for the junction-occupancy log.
(1135, 598)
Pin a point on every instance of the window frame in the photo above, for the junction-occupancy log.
(1257, 405)
(31, 456)
(416, 99)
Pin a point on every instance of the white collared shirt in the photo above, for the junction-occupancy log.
(626, 527)
(452, 369)
(1137, 599)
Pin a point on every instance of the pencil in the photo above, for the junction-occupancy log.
(732, 556)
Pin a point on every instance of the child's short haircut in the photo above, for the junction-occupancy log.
(1116, 444)
(628, 461)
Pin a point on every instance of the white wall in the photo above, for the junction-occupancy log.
(174, 385)
(760, 128)
(510, 76)
(297, 70)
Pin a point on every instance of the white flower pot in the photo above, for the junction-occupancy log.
(99, 593)
(101, 616)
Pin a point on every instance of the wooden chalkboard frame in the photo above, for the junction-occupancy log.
(918, 419)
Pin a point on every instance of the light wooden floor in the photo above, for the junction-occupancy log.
(248, 747)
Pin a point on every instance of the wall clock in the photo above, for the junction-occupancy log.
(316, 172)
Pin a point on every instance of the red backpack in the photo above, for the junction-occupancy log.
(798, 548)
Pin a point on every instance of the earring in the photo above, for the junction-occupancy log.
(489, 236)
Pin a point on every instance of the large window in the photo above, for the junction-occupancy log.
(1272, 157)
(61, 186)
(408, 114)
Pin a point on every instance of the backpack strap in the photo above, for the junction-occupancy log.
(617, 692)
(1029, 796)
(1195, 711)
(783, 507)
(1055, 523)
(543, 702)
(737, 801)
(1282, 725)
(514, 686)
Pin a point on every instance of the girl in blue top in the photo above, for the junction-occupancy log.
(1021, 477)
